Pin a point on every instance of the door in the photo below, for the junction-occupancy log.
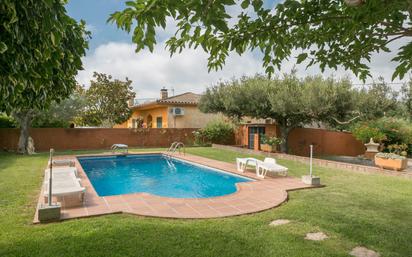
(159, 122)
(251, 135)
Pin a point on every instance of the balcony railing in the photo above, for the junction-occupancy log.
(143, 101)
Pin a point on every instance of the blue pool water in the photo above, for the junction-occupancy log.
(158, 175)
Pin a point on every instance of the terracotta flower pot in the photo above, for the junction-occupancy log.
(393, 164)
(268, 148)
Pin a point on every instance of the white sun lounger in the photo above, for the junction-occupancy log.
(120, 146)
(270, 165)
(63, 162)
(242, 163)
(64, 183)
(61, 170)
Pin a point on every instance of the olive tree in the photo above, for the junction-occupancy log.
(290, 101)
(325, 32)
(40, 53)
(377, 100)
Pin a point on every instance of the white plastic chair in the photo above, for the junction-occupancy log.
(242, 163)
(270, 165)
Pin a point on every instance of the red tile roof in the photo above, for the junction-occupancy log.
(187, 98)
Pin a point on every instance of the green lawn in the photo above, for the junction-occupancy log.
(353, 209)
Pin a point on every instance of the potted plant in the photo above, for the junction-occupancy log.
(269, 144)
(395, 159)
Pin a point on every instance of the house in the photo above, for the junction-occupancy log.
(179, 111)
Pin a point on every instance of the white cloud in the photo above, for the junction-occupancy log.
(188, 71)
(152, 71)
(380, 66)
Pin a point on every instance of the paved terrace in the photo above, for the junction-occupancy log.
(250, 197)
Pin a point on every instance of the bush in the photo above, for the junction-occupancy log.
(43, 122)
(392, 156)
(364, 132)
(216, 132)
(397, 131)
(394, 133)
(271, 140)
(400, 149)
(7, 121)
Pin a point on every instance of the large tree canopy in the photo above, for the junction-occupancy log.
(40, 53)
(290, 101)
(107, 101)
(324, 32)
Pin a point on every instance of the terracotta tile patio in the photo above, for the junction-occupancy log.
(250, 197)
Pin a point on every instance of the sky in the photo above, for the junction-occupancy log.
(111, 51)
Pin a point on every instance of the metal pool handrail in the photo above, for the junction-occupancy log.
(172, 146)
(176, 146)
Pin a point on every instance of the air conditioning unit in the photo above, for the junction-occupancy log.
(177, 111)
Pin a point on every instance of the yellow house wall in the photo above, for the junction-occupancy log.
(192, 118)
(155, 112)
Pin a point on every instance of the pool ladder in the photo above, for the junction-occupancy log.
(175, 146)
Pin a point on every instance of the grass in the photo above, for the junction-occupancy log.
(354, 209)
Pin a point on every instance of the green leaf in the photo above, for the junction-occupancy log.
(341, 35)
(221, 25)
(301, 57)
(245, 4)
(3, 47)
(53, 38)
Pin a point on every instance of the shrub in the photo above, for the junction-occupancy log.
(7, 121)
(364, 132)
(271, 140)
(51, 122)
(394, 133)
(217, 131)
(400, 149)
(200, 140)
(390, 156)
(397, 131)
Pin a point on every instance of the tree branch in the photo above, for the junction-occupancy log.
(395, 38)
(345, 122)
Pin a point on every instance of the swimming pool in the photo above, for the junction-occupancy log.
(157, 174)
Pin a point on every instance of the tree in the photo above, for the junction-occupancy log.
(377, 101)
(40, 53)
(290, 101)
(62, 115)
(324, 32)
(407, 98)
(107, 101)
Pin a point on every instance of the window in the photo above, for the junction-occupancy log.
(159, 122)
(252, 132)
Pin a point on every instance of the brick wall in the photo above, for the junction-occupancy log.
(95, 138)
(325, 142)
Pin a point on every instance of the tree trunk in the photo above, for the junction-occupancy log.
(284, 133)
(24, 119)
